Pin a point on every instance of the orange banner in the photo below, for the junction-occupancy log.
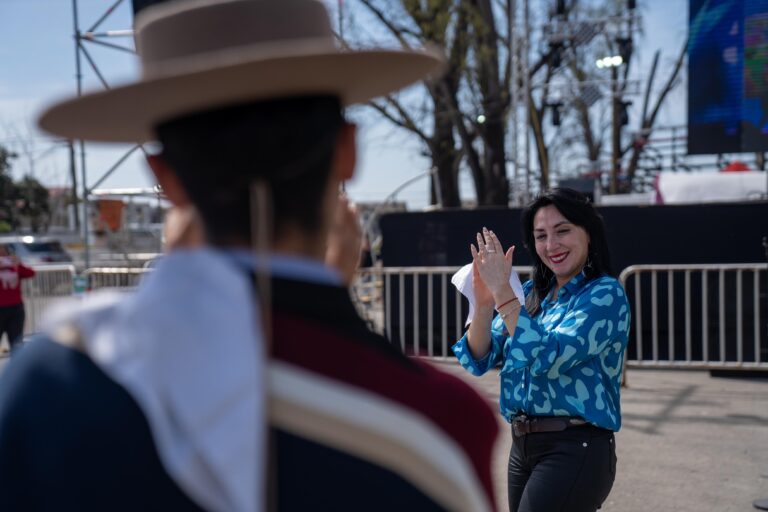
(110, 214)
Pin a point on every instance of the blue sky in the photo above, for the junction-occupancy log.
(38, 65)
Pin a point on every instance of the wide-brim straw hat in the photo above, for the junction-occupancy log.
(199, 55)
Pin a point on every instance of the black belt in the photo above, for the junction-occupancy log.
(522, 424)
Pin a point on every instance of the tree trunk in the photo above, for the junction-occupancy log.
(497, 193)
(542, 153)
(494, 103)
(444, 156)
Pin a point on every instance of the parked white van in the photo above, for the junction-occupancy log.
(36, 250)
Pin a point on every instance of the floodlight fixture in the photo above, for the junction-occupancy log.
(610, 62)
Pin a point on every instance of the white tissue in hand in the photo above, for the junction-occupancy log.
(462, 280)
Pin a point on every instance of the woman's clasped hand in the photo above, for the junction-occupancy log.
(493, 265)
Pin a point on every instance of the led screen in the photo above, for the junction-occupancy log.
(727, 75)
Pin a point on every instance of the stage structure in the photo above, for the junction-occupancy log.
(560, 33)
(83, 38)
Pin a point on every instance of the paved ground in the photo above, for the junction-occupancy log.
(689, 442)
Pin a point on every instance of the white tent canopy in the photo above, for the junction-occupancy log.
(711, 187)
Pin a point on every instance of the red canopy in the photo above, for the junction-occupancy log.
(736, 166)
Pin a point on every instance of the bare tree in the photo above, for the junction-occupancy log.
(463, 118)
(411, 24)
(492, 74)
(465, 121)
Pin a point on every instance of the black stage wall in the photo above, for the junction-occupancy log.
(713, 233)
(701, 233)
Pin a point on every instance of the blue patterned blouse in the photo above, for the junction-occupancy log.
(567, 360)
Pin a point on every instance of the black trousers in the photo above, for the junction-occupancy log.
(12, 324)
(569, 471)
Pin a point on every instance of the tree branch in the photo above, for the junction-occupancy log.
(669, 85)
(404, 121)
(396, 31)
(649, 86)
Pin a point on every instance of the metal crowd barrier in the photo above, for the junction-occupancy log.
(683, 316)
(697, 316)
(415, 307)
(50, 284)
(53, 283)
(113, 277)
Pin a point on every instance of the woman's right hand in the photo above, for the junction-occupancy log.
(493, 265)
(479, 333)
(483, 295)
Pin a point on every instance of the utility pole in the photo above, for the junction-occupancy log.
(616, 132)
(527, 102)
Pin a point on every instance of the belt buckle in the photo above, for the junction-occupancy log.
(520, 425)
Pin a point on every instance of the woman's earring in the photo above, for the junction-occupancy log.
(588, 265)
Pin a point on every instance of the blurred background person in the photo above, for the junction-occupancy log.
(12, 315)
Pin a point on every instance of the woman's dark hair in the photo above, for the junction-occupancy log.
(288, 143)
(575, 207)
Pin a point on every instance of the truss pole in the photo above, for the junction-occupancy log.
(81, 144)
(104, 16)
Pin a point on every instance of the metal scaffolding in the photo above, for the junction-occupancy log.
(557, 33)
(83, 38)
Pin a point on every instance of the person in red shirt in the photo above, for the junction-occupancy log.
(12, 271)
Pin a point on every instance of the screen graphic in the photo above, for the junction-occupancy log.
(728, 76)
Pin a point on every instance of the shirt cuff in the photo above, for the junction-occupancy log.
(472, 365)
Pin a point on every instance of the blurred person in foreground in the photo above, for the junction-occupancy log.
(239, 376)
(560, 352)
(12, 314)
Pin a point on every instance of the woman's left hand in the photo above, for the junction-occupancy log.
(493, 264)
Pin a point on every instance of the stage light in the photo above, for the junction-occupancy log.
(625, 47)
(624, 114)
(555, 55)
(556, 111)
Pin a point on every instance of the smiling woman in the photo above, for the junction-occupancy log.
(560, 354)
(560, 244)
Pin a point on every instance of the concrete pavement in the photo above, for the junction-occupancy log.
(689, 442)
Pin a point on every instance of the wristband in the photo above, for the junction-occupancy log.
(513, 310)
(498, 308)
